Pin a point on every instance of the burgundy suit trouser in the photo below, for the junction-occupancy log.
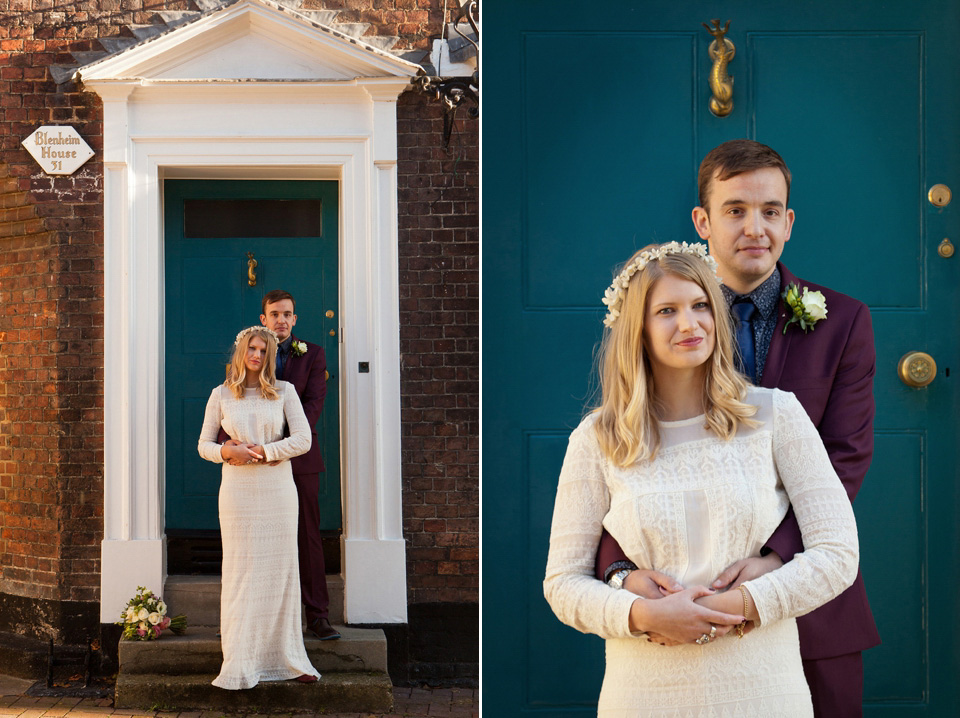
(836, 685)
(313, 577)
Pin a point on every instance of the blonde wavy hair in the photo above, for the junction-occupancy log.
(627, 424)
(237, 370)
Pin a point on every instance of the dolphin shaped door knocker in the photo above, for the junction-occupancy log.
(721, 84)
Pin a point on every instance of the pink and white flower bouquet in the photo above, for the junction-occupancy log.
(145, 618)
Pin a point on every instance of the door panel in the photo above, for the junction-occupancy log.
(896, 669)
(598, 137)
(543, 452)
(869, 161)
(592, 134)
(209, 300)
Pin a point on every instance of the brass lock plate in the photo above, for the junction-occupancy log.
(939, 195)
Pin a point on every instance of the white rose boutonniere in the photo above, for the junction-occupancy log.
(807, 307)
(298, 348)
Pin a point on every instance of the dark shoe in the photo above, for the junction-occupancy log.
(322, 629)
(306, 678)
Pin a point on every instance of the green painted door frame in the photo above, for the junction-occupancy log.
(594, 125)
(209, 299)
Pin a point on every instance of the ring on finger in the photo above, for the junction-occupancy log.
(713, 632)
(703, 640)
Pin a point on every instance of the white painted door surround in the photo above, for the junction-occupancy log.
(252, 91)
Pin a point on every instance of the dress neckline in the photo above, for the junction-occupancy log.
(684, 422)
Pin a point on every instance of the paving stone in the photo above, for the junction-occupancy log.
(408, 703)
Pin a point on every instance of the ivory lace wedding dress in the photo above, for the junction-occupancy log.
(701, 505)
(260, 628)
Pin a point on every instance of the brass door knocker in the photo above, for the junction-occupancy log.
(251, 267)
(721, 84)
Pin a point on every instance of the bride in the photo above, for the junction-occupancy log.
(260, 628)
(690, 469)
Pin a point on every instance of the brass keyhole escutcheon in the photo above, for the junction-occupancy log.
(917, 369)
(328, 314)
(945, 249)
(939, 195)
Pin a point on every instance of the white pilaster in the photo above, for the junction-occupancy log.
(374, 548)
(132, 552)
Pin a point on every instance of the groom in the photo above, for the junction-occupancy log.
(743, 215)
(304, 365)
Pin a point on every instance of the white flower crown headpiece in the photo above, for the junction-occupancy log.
(255, 328)
(615, 293)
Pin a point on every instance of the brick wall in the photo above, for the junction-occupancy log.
(51, 345)
(439, 345)
(29, 539)
(413, 21)
(51, 319)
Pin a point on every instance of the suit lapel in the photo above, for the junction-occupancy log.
(289, 369)
(780, 343)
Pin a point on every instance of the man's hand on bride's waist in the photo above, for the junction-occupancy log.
(650, 584)
(746, 570)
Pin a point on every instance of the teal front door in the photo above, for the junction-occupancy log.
(594, 125)
(213, 229)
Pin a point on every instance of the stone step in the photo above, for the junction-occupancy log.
(198, 652)
(334, 692)
(198, 597)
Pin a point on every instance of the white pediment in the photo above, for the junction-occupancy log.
(252, 40)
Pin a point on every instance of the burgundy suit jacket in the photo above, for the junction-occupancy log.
(830, 370)
(308, 374)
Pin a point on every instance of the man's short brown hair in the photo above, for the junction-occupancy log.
(277, 295)
(736, 157)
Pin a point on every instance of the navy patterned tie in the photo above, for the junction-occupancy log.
(744, 310)
(281, 361)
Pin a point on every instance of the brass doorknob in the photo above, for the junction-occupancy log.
(917, 369)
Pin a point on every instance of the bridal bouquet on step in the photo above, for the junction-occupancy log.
(145, 618)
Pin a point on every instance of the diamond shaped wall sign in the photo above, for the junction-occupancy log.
(58, 149)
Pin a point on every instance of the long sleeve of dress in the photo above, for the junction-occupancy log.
(299, 440)
(575, 595)
(208, 446)
(828, 564)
